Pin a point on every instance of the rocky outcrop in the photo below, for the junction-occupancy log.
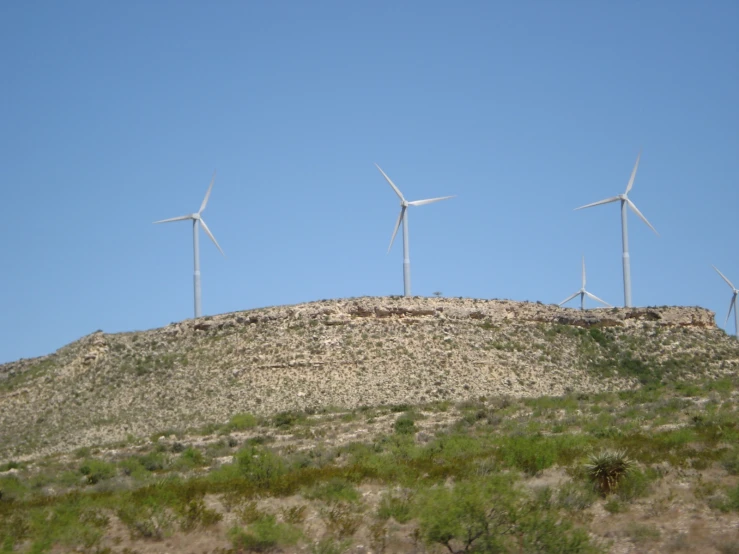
(348, 353)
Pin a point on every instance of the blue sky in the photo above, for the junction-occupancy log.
(115, 115)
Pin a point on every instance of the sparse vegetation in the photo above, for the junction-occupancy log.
(637, 411)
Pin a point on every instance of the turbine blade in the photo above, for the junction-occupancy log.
(724, 277)
(606, 201)
(429, 201)
(207, 232)
(633, 174)
(731, 306)
(597, 299)
(583, 272)
(569, 298)
(207, 194)
(397, 226)
(644, 219)
(181, 218)
(396, 189)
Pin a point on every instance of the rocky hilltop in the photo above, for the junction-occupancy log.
(343, 353)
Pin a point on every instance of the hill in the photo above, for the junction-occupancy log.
(346, 354)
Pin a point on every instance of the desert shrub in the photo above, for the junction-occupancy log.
(607, 469)
(190, 458)
(334, 490)
(574, 497)
(259, 465)
(11, 489)
(396, 505)
(97, 470)
(293, 514)
(730, 461)
(194, 514)
(731, 502)
(153, 461)
(528, 453)
(543, 531)
(70, 524)
(476, 515)
(249, 512)
(263, 535)
(635, 484)
(241, 422)
(148, 518)
(342, 519)
(404, 425)
(287, 419)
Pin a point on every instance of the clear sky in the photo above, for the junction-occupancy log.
(115, 114)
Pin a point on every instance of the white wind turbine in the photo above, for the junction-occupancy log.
(403, 217)
(582, 293)
(625, 201)
(732, 305)
(196, 221)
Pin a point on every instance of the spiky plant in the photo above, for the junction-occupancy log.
(607, 468)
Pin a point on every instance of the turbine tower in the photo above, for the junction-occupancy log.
(732, 305)
(197, 220)
(583, 293)
(403, 217)
(625, 201)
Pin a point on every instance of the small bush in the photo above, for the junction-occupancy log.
(260, 465)
(335, 490)
(293, 514)
(242, 422)
(263, 535)
(404, 425)
(396, 506)
(195, 514)
(341, 519)
(607, 469)
(97, 470)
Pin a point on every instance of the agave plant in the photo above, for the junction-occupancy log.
(607, 468)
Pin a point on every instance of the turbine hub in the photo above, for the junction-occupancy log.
(196, 216)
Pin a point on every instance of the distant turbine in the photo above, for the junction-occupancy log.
(732, 305)
(404, 218)
(583, 293)
(197, 219)
(624, 198)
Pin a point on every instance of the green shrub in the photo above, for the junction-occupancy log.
(635, 484)
(528, 453)
(195, 514)
(574, 497)
(259, 465)
(607, 469)
(396, 506)
(97, 470)
(404, 425)
(263, 535)
(478, 515)
(342, 519)
(190, 458)
(334, 490)
(730, 461)
(242, 422)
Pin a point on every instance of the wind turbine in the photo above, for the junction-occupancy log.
(196, 221)
(732, 306)
(625, 201)
(403, 217)
(583, 293)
